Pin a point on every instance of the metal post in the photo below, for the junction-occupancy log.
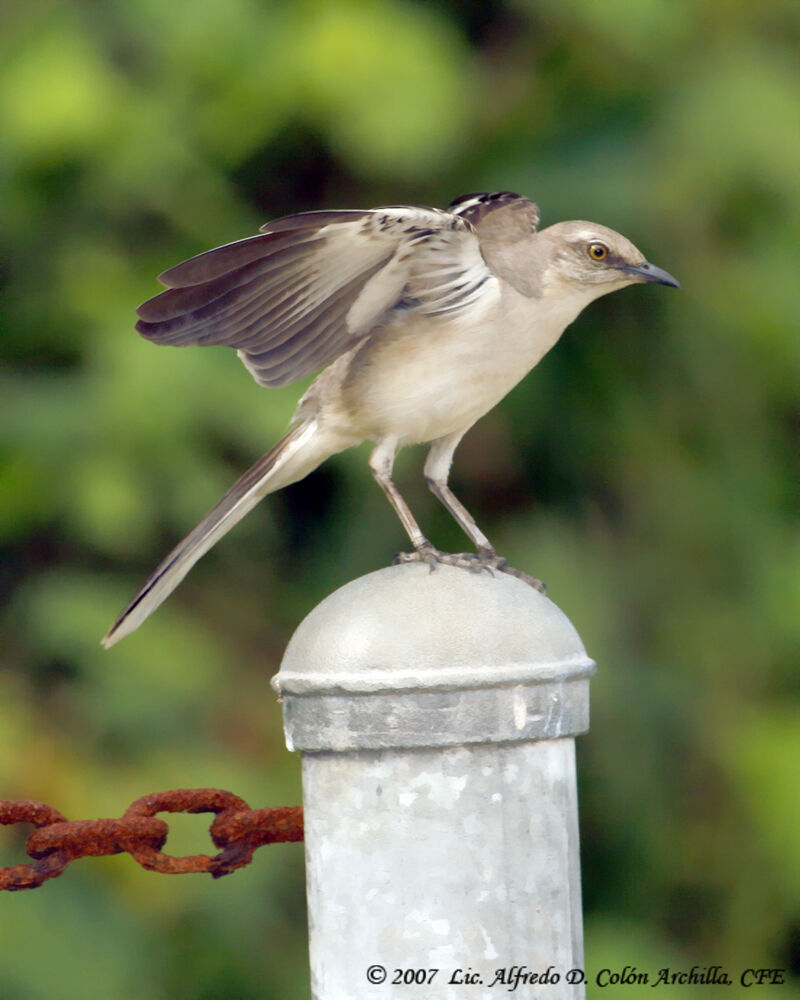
(436, 713)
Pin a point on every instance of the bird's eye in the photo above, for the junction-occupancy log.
(598, 251)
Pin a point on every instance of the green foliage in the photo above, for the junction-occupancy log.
(644, 470)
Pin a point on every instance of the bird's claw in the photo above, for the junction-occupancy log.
(476, 562)
(492, 561)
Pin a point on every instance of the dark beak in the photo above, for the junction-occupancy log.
(649, 272)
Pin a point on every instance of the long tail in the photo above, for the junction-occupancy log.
(292, 458)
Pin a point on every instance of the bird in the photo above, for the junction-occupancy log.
(418, 320)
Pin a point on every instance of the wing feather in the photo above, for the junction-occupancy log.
(313, 341)
(222, 260)
(232, 320)
(181, 302)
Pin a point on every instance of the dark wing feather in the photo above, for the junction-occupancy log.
(186, 300)
(514, 212)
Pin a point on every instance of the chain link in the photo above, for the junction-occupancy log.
(237, 830)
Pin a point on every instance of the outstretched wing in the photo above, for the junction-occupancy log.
(307, 289)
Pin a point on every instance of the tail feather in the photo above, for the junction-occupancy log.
(292, 458)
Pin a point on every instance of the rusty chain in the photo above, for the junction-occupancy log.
(237, 830)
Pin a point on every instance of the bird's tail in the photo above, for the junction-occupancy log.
(292, 458)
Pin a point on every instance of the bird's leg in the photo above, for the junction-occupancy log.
(437, 471)
(381, 461)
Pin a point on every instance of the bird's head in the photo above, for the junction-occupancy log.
(591, 257)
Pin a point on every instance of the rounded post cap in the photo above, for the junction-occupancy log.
(414, 638)
(407, 627)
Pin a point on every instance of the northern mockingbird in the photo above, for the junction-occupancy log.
(425, 319)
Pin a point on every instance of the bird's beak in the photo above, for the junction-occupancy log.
(649, 272)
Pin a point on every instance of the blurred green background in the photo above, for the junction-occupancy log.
(645, 470)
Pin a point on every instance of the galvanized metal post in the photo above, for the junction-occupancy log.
(436, 714)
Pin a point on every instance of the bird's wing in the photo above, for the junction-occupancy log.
(517, 216)
(300, 294)
(307, 289)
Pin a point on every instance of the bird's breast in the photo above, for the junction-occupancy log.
(424, 377)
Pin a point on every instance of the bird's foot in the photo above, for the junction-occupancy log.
(476, 562)
(433, 557)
